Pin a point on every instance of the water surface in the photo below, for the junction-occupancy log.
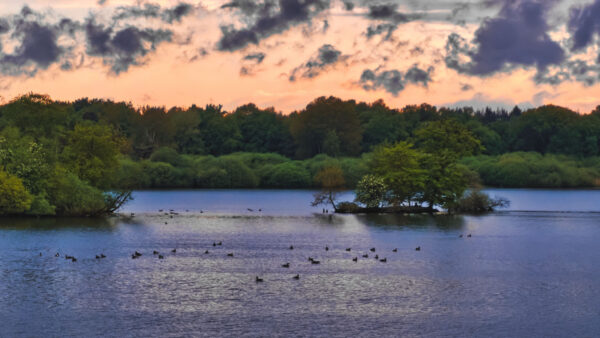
(522, 273)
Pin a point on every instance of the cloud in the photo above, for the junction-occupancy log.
(583, 23)
(121, 49)
(326, 57)
(386, 29)
(153, 11)
(394, 81)
(573, 70)
(266, 19)
(258, 57)
(518, 36)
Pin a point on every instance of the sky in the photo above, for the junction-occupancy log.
(285, 53)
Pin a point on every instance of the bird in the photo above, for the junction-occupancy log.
(40, 254)
(201, 211)
(395, 250)
(97, 257)
(68, 257)
(57, 255)
(161, 257)
(418, 248)
(355, 259)
(291, 247)
(286, 265)
(376, 256)
(461, 236)
(366, 256)
(296, 277)
(326, 248)
(259, 280)
(102, 256)
(73, 259)
(230, 254)
(174, 251)
(160, 210)
(383, 260)
(310, 259)
(348, 249)
(372, 249)
(214, 244)
(155, 252)
(220, 243)
(206, 252)
(166, 223)
(251, 210)
(137, 253)
(259, 210)
(469, 235)
(315, 262)
(134, 256)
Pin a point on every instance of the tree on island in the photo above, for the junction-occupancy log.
(331, 180)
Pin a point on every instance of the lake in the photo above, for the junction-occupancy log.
(530, 270)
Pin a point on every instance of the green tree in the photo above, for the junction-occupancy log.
(331, 180)
(371, 191)
(399, 166)
(14, 198)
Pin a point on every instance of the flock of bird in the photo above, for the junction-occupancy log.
(258, 279)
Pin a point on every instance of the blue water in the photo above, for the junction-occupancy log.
(522, 273)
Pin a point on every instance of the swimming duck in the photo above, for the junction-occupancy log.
(230, 254)
(155, 252)
(174, 251)
(418, 248)
(296, 277)
(291, 247)
(355, 259)
(259, 280)
(326, 248)
(372, 249)
(161, 257)
(383, 260)
(214, 244)
(219, 243)
(73, 259)
(206, 252)
(286, 265)
(315, 262)
(395, 250)
(366, 256)
(376, 256)
(469, 235)
(57, 255)
(102, 256)
(348, 249)
(137, 253)
(310, 259)
(97, 257)
(461, 236)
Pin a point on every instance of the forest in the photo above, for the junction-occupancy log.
(84, 157)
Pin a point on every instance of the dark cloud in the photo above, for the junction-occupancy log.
(153, 11)
(385, 29)
(573, 70)
(122, 48)
(518, 36)
(326, 56)
(267, 18)
(465, 87)
(394, 81)
(257, 57)
(348, 5)
(584, 22)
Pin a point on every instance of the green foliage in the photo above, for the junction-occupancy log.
(285, 175)
(14, 198)
(74, 197)
(534, 170)
(399, 166)
(475, 201)
(371, 191)
(40, 206)
(447, 137)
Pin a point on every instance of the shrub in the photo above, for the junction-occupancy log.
(14, 198)
(371, 191)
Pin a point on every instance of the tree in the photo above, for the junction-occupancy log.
(447, 136)
(399, 167)
(331, 180)
(371, 191)
(14, 198)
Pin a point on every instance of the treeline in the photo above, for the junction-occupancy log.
(327, 125)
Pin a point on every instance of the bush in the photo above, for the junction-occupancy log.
(41, 207)
(476, 201)
(285, 175)
(74, 197)
(371, 191)
(14, 198)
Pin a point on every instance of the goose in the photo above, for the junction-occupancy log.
(166, 223)
(97, 257)
(155, 252)
(376, 256)
(214, 244)
(372, 249)
(366, 256)
(296, 277)
(206, 252)
(291, 247)
(355, 259)
(461, 236)
(134, 256)
(326, 248)
(286, 265)
(383, 260)
(220, 243)
(315, 262)
(310, 259)
(102, 256)
(230, 254)
(251, 210)
(395, 250)
(57, 255)
(259, 280)
(137, 253)
(161, 257)
(469, 235)
(174, 251)
(73, 259)
(418, 248)
(348, 249)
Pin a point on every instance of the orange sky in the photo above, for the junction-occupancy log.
(168, 76)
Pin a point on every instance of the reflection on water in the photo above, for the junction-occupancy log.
(520, 274)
